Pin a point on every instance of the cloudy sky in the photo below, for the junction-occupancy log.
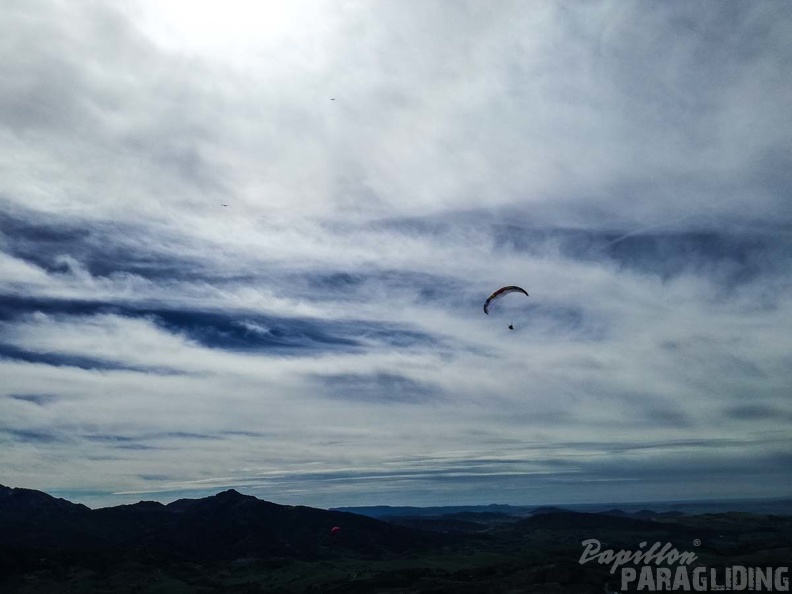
(246, 245)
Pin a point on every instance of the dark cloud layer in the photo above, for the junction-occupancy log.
(13, 353)
(232, 331)
(37, 399)
(381, 387)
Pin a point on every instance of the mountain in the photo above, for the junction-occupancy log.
(570, 520)
(29, 499)
(547, 510)
(388, 511)
(34, 523)
(223, 527)
(232, 542)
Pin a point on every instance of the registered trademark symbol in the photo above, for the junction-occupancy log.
(696, 542)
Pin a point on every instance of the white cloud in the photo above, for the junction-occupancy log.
(384, 166)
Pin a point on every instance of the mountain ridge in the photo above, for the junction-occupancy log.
(230, 542)
(224, 526)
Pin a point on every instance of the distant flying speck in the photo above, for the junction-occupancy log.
(225, 204)
(332, 98)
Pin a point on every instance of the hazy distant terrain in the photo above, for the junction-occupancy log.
(236, 543)
(766, 506)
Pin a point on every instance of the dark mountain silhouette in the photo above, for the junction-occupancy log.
(582, 521)
(236, 543)
(226, 526)
(644, 513)
(30, 499)
(388, 511)
(483, 517)
(445, 524)
(37, 524)
(547, 510)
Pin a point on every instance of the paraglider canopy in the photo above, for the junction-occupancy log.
(335, 530)
(500, 293)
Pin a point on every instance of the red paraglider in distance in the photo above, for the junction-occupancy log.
(335, 530)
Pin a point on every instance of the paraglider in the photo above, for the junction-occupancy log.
(335, 530)
(500, 293)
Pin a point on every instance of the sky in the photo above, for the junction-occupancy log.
(246, 245)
